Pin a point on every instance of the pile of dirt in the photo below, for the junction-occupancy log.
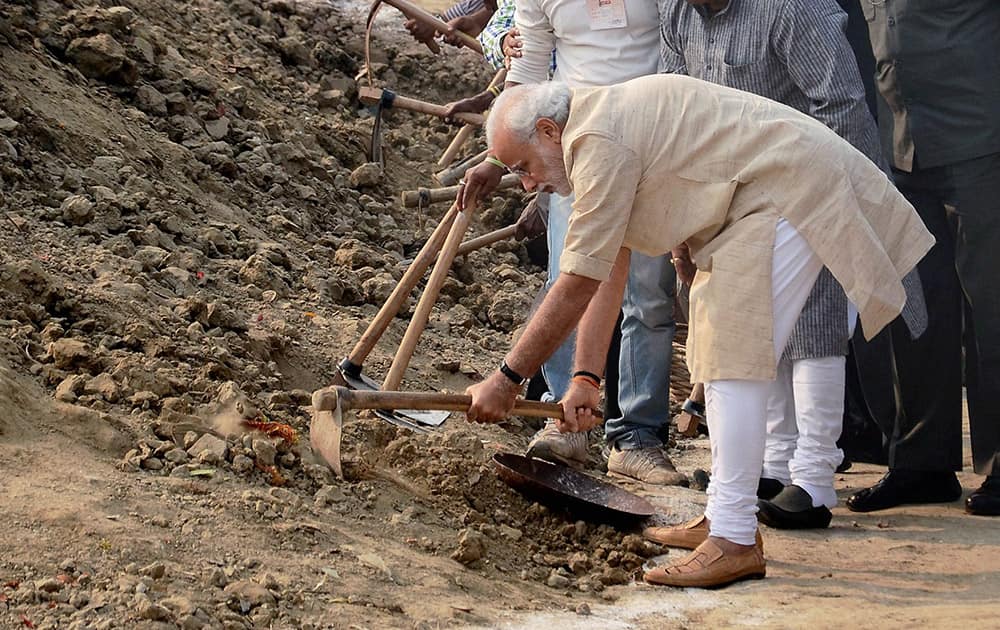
(195, 238)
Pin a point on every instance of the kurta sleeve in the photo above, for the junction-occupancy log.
(605, 175)
(538, 40)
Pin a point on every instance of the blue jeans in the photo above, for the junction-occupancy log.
(647, 338)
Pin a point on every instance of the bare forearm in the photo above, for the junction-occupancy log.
(552, 323)
(597, 326)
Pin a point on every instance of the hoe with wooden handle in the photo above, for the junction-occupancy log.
(423, 16)
(349, 370)
(428, 196)
(329, 404)
(389, 99)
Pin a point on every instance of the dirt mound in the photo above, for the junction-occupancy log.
(195, 238)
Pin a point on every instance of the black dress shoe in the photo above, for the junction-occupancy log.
(793, 509)
(768, 488)
(898, 487)
(985, 501)
(844, 465)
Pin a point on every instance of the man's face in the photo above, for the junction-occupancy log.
(539, 164)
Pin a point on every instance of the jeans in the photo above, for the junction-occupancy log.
(647, 336)
(559, 367)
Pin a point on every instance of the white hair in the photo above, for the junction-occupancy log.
(519, 108)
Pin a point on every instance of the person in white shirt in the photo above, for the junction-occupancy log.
(599, 44)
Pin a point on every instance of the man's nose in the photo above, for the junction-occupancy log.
(528, 182)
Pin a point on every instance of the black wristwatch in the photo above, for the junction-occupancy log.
(515, 378)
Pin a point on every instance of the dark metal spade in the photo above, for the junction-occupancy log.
(562, 487)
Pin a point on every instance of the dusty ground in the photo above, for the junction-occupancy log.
(193, 240)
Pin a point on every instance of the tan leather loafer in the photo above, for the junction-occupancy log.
(710, 567)
(686, 536)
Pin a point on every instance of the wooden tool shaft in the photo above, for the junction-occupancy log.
(450, 176)
(456, 145)
(372, 12)
(427, 196)
(410, 278)
(423, 16)
(427, 300)
(473, 244)
(327, 399)
(370, 95)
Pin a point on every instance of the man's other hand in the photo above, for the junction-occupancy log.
(511, 46)
(681, 257)
(421, 32)
(534, 219)
(472, 105)
(479, 181)
(579, 404)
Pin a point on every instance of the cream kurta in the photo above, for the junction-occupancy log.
(665, 159)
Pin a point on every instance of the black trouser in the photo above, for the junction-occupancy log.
(960, 204)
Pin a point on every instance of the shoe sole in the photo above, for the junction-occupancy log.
(750, 576)
(776, 518)
(879, 508)
(624, 477)
(545, 454)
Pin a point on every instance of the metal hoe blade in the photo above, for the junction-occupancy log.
(325, 431)
(409, 418)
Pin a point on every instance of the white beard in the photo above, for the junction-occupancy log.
(558, 182)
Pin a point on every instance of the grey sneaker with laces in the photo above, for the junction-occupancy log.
(569, 449)
(649, 465)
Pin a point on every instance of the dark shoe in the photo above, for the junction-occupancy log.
(845, 465)
(985, 501)
(767, 488)
(898, 487)
(793, 509)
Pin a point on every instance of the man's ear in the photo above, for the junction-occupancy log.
(548, 129)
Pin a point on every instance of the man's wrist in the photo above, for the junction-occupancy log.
(512, 376)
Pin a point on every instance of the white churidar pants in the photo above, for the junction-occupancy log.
(805, 414)
(804, 419)
(737, 409)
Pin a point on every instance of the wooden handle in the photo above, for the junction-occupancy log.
(406, 284)
(466, 132)
(455, 146)
(414, 12)
(370, 95)
(449, 176)
(427, 196)
(473, 244)
(427, 300)
(372, 12)
(327, 399)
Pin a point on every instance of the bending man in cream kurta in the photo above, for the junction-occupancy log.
(763, 195)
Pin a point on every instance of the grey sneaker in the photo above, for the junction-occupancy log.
(645, 464)
(569, 449)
